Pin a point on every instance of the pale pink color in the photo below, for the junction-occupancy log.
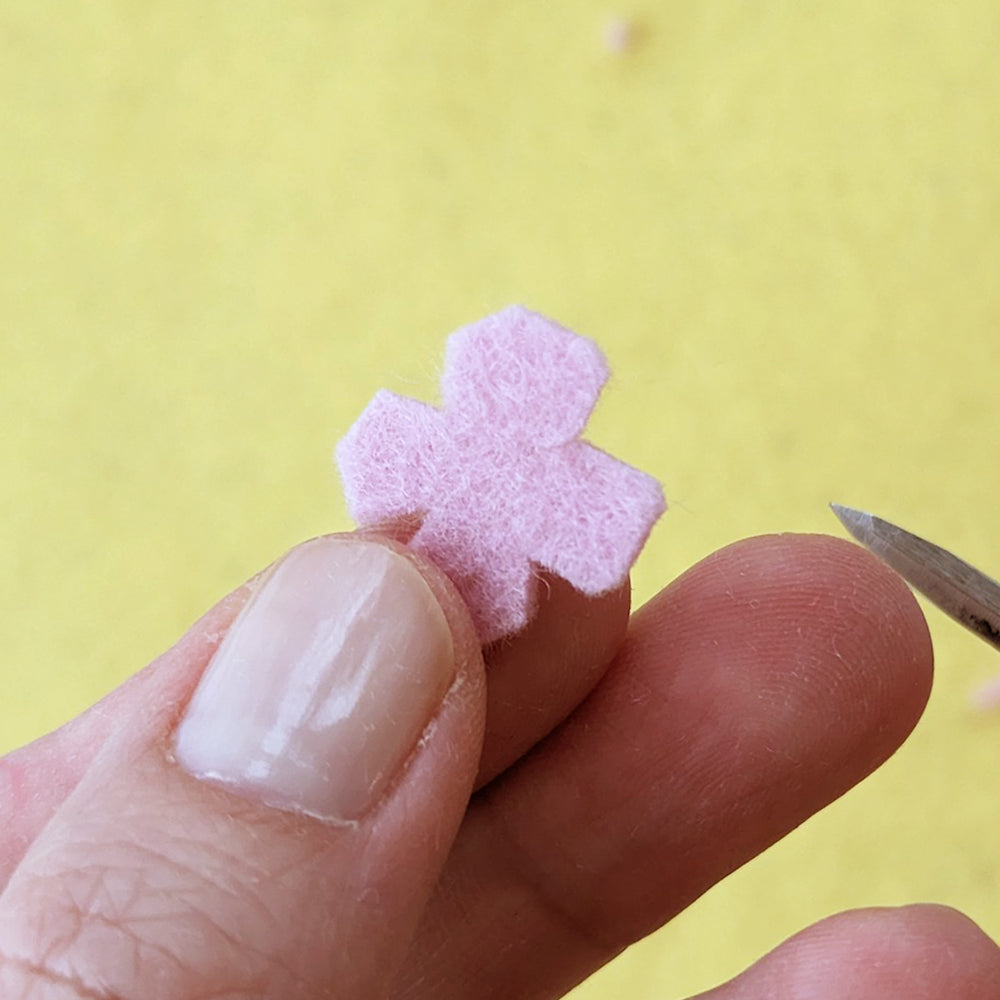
(619, 34)
(499, 476)
(987, 697)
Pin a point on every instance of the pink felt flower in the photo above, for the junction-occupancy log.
(498, 475)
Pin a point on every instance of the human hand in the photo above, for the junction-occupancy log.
(620, 769)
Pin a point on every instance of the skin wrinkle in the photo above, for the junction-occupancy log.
(532, 876)
(133, 919)
(140, 868)
(70, 751)
(38, 975)
(246, 870)
(84, 913)
(87, 914)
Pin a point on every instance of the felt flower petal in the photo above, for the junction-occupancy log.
(523, 377)
(496, 581)
(387, 458)
(597, 518)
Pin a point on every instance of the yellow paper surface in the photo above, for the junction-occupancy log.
(224, 226)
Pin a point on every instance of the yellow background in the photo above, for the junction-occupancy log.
(224, 225)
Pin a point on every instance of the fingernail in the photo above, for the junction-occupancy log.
(324, 683)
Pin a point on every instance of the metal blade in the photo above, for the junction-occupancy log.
(958, 589)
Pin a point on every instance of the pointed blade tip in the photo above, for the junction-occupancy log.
(850, 517)
(860, 525)
(956, 587)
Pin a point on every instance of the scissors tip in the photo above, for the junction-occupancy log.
(857, 522)
(958, 589)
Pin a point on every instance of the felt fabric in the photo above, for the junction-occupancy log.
(499, 477)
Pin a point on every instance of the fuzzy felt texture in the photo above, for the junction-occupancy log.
(498, 476)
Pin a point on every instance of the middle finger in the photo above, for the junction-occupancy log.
(750, 693)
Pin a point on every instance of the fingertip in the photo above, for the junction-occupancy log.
(950, 946)
(786, 669)
(849, 645)
(918, 952)
(928, 941)
(883, 662)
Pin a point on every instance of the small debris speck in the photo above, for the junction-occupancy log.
(619, 35)
(987, 697)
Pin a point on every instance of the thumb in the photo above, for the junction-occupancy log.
(275, 833)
